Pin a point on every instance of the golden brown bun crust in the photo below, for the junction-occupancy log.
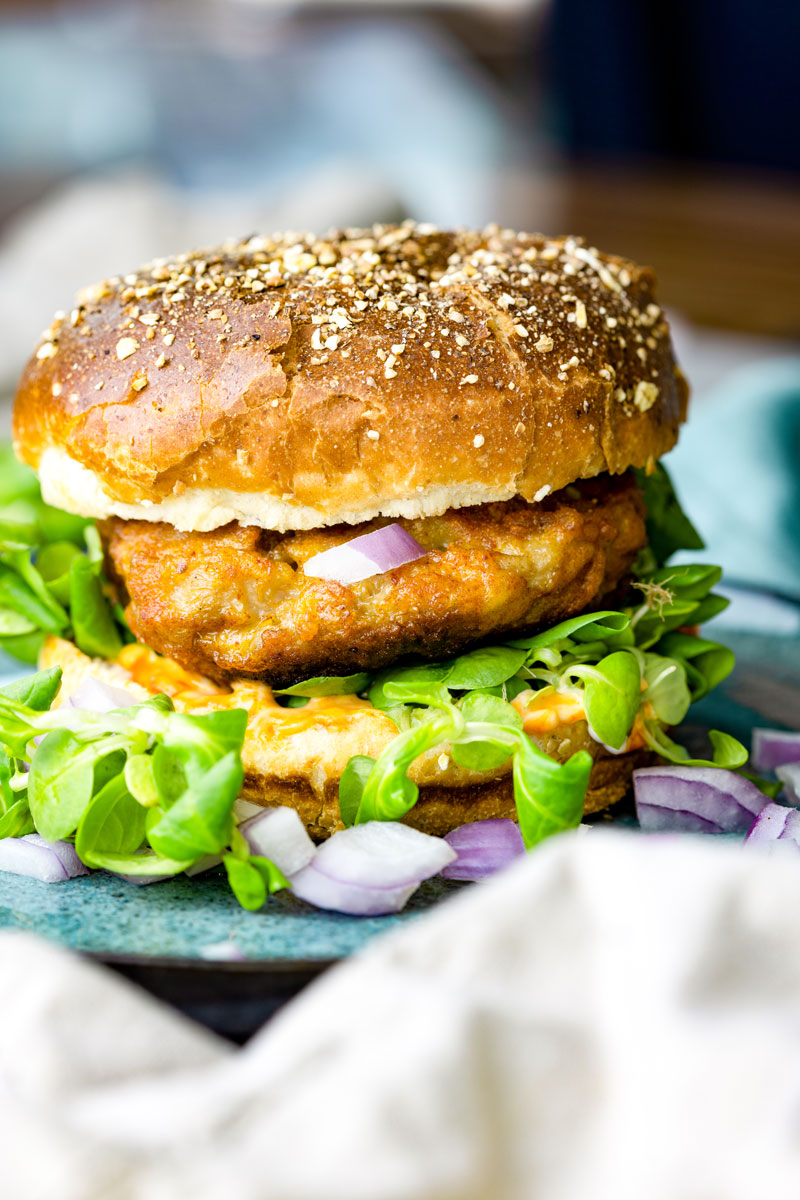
(487, 364)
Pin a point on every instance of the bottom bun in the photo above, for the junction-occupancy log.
(295, 757)
(440, 809)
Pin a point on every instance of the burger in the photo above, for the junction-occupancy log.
(395, 493)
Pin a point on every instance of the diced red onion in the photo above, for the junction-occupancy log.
(31, 855)
(695, 800)
(279, 835)
(351, 898)
(244, 809)
(775, 824)
(64, 851)
(93, 695)
(383, 854)
(362, 557)
(371, 869)
(773, 748)
(789, 776)
(483, 847)
(276, 833)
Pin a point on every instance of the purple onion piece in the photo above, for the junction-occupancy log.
(775, 824)
(93, 695)
(483, 847)
(695, 800)
(353, 899)
(362, 557)
(279, 835)
(65, 852)
(789, 775)
(243, 810)
(382, 854)
(371, 869)
(774, 748)
(31, 855)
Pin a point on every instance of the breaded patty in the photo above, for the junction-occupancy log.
(235, 601)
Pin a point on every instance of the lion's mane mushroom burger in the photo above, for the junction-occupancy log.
(395, 492)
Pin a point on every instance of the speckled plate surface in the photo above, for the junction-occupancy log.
(161, 935)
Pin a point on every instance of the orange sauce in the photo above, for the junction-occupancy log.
(190, 690)
(158, 674)
(327, 711)
(636, 737)
(545, 710)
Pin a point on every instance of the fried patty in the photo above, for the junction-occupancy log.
(235, 601)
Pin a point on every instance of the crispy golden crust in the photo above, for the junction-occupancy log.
(236, 601)
(401, 371)
(296, 757)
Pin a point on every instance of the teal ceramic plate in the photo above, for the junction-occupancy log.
(165, 935)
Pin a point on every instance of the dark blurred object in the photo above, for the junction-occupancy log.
(725, 243)
(233, 999)
(714, 80)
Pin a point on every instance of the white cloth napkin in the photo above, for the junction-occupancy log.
(616, 1016)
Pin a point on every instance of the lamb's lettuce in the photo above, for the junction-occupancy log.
(51, 573)
(630, 667)
(327, 685)
(612, 690)
(668, 527)
(727, 751)
(667, 688)
(705, 663)
(482, 732)
(143, 790)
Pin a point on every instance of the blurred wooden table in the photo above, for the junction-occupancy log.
(726, 245)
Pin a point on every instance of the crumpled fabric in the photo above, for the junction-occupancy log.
(614, 1016)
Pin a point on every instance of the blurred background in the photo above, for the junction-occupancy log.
(669, 133)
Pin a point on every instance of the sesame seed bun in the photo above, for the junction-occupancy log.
(296, 382)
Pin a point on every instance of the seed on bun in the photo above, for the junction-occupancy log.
(296, 382)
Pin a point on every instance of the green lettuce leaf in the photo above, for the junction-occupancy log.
(706, 663)
(51, 578)
(200, 822)
(113, 823)
(489, 666)
(726, 750)
(327, 685)
(549, 796)
(667, 688)
(611, 695)
(588, 627)
(668, 527)
(143, 789)
(351, 786)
